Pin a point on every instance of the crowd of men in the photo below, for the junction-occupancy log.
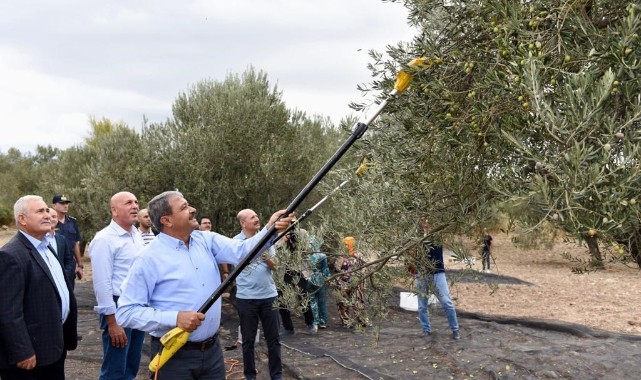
(154, 278)
(143, 282)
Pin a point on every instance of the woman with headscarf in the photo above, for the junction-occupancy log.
(350, 288)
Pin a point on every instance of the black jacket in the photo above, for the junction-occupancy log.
(65, 256)
(30, 308)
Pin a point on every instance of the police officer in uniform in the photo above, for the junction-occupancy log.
(68, 227)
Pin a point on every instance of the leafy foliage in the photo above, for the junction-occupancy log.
(534, 108)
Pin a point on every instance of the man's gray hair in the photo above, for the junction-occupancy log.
(159, 206)
(20, 207)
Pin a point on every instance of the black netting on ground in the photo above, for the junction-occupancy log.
(493, 347)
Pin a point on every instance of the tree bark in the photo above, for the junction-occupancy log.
(595, 252)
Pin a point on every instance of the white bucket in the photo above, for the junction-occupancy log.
(409, 301)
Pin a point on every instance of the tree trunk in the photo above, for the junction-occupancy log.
(595, 252)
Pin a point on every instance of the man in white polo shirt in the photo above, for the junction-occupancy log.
(113, 251)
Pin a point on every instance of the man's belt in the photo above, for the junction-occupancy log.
(201, 345)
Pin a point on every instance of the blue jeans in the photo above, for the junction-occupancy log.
(437, 284)
(249, 313)
(120, 363)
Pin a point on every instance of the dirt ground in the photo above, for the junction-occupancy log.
(531, 318)
(607, 299)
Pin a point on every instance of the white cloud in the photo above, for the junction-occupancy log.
(40, 109)
(61, 63)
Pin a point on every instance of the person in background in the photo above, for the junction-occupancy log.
(297, 278)
(113, 251)
(255, 297)
(145, 227)
(285, 313)
(430, 278)
(38, 313)
(206, 225)
(68, 227)
(486, 252)
(351, 294)
(318, 284)
(62, 249)
(173, 276)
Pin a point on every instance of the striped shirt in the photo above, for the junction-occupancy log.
(147, 237)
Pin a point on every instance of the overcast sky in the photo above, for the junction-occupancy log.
(62, 62)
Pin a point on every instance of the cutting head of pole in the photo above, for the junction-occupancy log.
(405, 76)
(172, 341)
(362, 168)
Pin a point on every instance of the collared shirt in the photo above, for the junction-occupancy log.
(255, 282)
(56, 272)
(169, 277)
(51, 240)
(147, 237)
(113, 251)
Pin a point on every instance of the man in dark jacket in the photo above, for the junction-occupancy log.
(67, 226)
(38, 314)
(63, 250)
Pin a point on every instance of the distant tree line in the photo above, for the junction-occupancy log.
(230, 145)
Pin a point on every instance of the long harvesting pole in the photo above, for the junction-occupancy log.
(173, 340)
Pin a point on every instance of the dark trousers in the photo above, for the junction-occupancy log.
(485, 256)
(249, 313)
(189, 363)
(55, 371)
(308, 314)
(285, 316)
(290, 279)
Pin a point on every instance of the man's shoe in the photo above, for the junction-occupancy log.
(313, 329)
(456, 335)
(322, 327)
(426, 333)
(287, 332)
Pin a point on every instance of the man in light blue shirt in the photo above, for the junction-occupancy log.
(113, 251)
(173, 276)
(255, 296)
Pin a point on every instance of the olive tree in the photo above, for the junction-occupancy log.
(531, 108)
(234, 144)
